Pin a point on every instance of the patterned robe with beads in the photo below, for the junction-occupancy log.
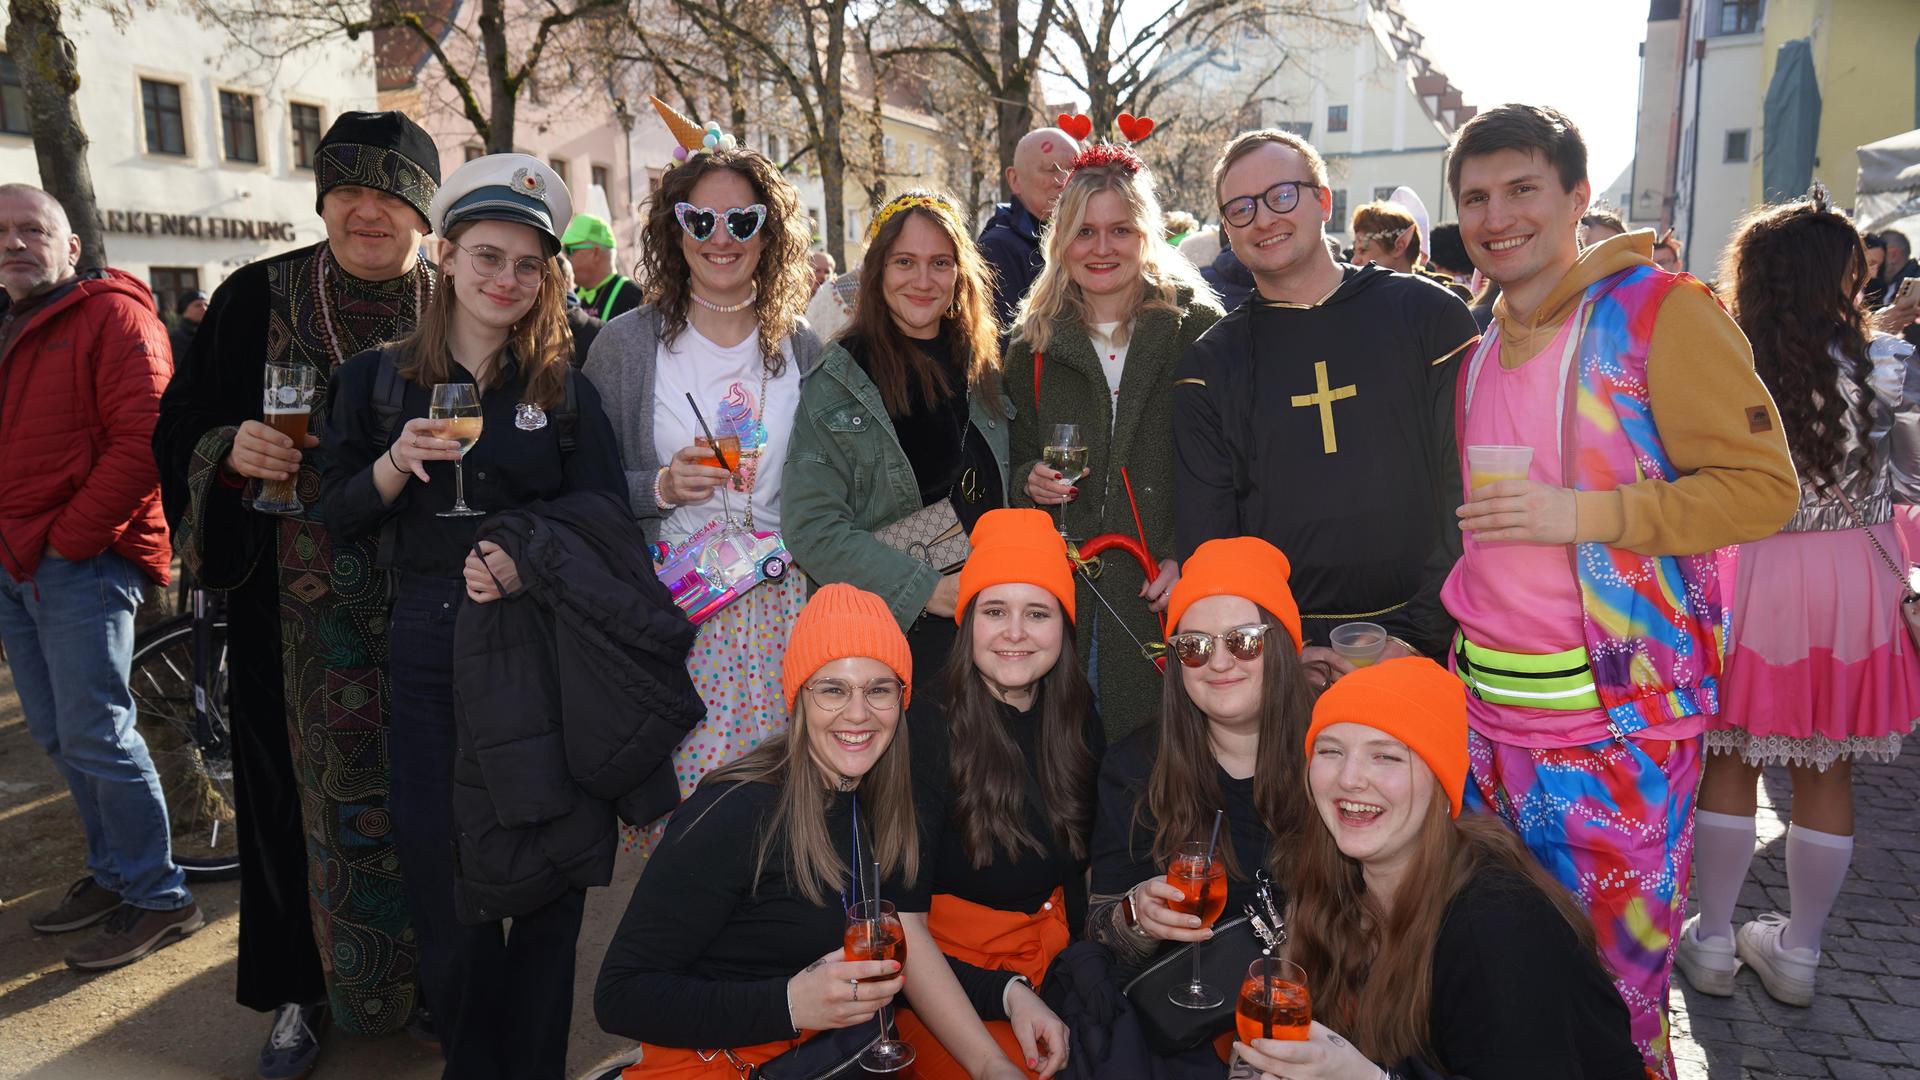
(328, 600)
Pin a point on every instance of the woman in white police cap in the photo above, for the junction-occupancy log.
(486, 369)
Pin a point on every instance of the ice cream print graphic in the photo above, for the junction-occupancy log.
(741, 435)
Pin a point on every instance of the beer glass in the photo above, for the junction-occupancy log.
(286, 406)
(874, 933)
(457, 407)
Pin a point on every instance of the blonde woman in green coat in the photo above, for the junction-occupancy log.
(1095, 342)
(903, 410)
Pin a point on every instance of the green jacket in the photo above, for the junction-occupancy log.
(1073, 389)
(847, 476)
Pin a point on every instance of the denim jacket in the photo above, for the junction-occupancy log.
(847, 476)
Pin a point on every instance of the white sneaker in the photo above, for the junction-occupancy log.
(1709, 964)
(1786, 973)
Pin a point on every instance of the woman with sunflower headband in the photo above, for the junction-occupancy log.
(1095, 344)
(724, 269)
(903, 412)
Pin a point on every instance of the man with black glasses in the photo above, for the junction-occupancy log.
(1319, 415)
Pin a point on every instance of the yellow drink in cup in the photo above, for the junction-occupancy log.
(1491, 464)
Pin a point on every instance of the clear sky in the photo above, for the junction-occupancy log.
(1583, 59)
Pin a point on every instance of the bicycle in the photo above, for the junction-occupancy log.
(179, 684)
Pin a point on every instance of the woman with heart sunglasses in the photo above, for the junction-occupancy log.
(724, 269)
(1234, 709)
(1094, 345)
(903, 416)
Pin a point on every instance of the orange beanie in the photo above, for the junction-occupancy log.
(1020, 546)
(1245, 566)
(838, 622)
(1412, 699)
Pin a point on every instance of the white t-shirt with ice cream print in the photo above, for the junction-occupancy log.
(726, 384)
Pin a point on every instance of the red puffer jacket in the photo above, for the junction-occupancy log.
(80, 387)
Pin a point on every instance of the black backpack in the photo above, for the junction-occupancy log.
(389, 398)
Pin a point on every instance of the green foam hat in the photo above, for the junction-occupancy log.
(588, 229)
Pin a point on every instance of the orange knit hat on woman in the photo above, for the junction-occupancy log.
(1020, 546)
(1412, 699)
(1244, 566)
(838, 622)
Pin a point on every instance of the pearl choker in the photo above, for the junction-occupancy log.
(724, 309)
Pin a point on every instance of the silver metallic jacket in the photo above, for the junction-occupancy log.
(1882, 465)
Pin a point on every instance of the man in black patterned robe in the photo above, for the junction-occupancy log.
(322, 918)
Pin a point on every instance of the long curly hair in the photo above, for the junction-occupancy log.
(783, 282)
(1789, 277)
(1164, 272)
(903, 374)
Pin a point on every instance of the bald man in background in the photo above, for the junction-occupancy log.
(1011, 240)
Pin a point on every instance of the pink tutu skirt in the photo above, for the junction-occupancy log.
(1819, 664)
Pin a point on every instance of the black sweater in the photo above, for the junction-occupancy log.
(1514, 995)
(1018, 882)
(1123, 841)
(703, 955)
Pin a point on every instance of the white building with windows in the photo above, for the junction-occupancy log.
(1360, 88)
(201, 155)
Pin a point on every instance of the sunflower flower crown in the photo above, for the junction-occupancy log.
(902, 203)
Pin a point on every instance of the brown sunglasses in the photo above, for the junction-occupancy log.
(1194, 648)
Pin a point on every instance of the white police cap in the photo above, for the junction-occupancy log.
(505, 187)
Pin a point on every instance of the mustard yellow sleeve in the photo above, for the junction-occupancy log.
(1722, 433)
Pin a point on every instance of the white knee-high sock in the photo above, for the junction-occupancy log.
(1722, 853)
(1816, 868)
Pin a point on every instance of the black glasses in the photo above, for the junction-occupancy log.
(832, 695)
(1280, 198)
(700, 221)
(489, 263)
(1194, 648)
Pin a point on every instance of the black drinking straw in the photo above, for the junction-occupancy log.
(711, 441)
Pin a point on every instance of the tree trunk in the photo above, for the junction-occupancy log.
(45, 56)
(502, 94)
(1015, 90)
(833, 158)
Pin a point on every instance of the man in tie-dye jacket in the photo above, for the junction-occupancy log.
(1592, 622)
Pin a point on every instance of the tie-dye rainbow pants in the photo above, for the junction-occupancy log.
(1613, 820)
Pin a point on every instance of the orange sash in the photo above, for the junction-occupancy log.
(998, 941)
(675, 1063)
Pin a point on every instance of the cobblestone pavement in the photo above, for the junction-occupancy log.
(1865, 1020)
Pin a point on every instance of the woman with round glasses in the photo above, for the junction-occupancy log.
(903, 416)
(1095, 345)
(529, 429)
(1233, 712)
(732, 949)
(715, 355)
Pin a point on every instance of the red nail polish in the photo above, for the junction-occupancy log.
(1073, 491)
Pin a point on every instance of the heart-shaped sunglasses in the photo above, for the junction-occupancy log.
(743, 222)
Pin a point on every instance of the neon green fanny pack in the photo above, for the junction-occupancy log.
(1561, 681)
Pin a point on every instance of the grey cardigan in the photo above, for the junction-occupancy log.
(621, 366)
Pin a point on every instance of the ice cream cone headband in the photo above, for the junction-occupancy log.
(910, 200)
(693, 138)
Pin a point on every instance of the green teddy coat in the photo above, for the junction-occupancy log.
(1073, 390)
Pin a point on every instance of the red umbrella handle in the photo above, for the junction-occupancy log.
(1086, 555)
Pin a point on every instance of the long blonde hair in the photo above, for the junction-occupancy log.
(541, 341)
(799, 825)
(1164, 272)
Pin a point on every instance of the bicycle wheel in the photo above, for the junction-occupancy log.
(196, 778)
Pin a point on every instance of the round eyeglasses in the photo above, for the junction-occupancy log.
(489, 264)
(1281, 198)
(832, 695)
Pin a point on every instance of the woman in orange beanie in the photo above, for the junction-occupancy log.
(733, 939)
(1233, 708)
(1431, 941)
(1003, 782)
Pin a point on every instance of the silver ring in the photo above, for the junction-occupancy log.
(856, 988)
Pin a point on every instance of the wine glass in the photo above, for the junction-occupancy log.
(1065, 452)
(1197, 872)
(874, 933)
(286, 407)
(1273, 1002)
(457, 407)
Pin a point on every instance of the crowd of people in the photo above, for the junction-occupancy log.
(791, 580)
